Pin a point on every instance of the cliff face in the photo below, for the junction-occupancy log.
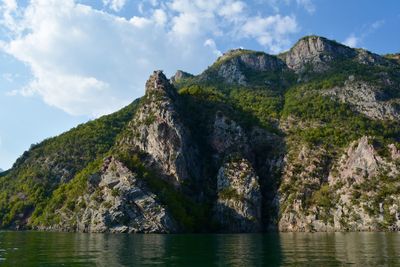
(316, 53)
(157, 130)
(238, 207)
(116, 201)
(236, 67)
(368, 98)
(349, 194)
(308, 140)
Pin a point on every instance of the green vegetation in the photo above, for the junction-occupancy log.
(230, 193)
(65, 197)
(376, 191)
(26, 189)
(325, 200)
(332, 124)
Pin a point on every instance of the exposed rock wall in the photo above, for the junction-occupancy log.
(233, 65)
(157, 130)
(356, 193)
(366, 98)
(315, 52)
(238, 207)
(118, 202)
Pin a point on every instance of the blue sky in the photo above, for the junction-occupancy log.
(66, 62)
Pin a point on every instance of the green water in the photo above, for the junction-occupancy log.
(318, 249)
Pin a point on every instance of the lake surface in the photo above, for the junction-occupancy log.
(288, 249)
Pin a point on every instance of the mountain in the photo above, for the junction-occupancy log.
(307, 140)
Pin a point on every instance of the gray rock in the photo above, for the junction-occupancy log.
(119, 203)
(349, 210)
(179, 75)
(228, 137)
(315, 52)
(366, 98)
(238, 207)
(157, 130)
(233, 65)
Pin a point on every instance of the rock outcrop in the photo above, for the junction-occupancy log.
(355, 193)
(305, 172)
(179, 76)
(238, 207)
(233, 66)
(315, 53)
(367, 98)
(228, 137)
(239, 193)
(157, 130)
(363, 203)
(117, 202)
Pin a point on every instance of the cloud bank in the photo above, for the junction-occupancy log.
(90, 62)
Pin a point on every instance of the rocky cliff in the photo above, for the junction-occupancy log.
(315, 53)
(157, 130)
(308, 140)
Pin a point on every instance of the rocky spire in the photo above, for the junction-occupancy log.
(157, 129)
(179, 75)
(157, 82)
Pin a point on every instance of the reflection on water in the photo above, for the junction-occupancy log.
(295, 249)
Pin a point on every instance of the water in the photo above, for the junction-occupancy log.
(298, 249)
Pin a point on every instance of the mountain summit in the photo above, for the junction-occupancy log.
(307, 140)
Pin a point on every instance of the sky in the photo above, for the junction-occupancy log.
(64, 62)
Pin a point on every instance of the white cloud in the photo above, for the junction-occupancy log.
(8, 9)
(270, 31)
(232, 9)
(86, 61)
(160, 17)
(355, 40)
(115, 5)
(351, 41)
(308, 5)
(276, 5)
(211, 43)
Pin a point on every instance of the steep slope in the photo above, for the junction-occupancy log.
(26, 187)
(157, 130)
(315, 53)
(308, 140)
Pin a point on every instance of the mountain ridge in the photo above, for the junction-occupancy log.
(307, 140)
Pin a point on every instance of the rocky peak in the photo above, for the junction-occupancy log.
(158, 83)
(179, 75)
(158, 131)
(254, 60)
(234, 64)
(317, 51)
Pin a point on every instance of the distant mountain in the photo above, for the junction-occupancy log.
(307, 140)
(1, 170)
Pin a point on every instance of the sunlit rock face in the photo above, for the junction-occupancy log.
(157, 130)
